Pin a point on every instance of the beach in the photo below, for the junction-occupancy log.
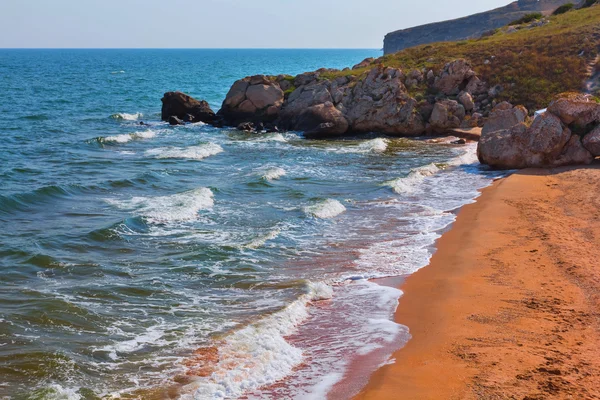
(508, 307)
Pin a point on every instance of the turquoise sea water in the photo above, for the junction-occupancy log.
(196, 262)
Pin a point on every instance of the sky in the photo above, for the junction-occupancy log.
(219, 23)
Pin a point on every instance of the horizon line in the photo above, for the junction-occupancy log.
(191, 48)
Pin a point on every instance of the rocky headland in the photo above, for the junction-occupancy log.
(473, 26)
(496, 83)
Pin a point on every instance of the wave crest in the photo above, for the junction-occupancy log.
(326, 209)
(175, 208)
(126, 116)
(192, 153)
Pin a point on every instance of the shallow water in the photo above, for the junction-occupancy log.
(125, 248)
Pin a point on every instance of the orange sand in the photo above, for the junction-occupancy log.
(509, 307)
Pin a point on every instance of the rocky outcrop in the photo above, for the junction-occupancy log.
(185, 108)
(447, 114)
(470, 27)
(454, 78)
(504, 116)
(380, 99)
(575, 108)
(253, 98)
(591, 142)
(322, 119)
(508, 143)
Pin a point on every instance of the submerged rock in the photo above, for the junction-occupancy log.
(173, 120)
(186, 108)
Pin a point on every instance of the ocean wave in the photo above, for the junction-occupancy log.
(192, 153)
(127, 137)
(325, 209)
(117, 72)
(22, 201)
(272, 173)
(409, 183)
(126, 116)
(377, 145)
(261, 240)
(174, 208)
(467, 158)
(258, 354)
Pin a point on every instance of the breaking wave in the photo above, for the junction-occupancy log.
(326, 209)
(191, 153)
(175, 208)
(127, 117)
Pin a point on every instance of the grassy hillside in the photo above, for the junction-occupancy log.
(533, 65)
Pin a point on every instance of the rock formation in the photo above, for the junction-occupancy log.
(468, 27)
(326, 102)
(566, 134)
(185, 108)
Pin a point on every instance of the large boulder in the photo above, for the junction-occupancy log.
(447, 114)
(591, 142)
(322, 120)
(379, 102)
(575, 108)
(304, 97)
(547, 142)
(186, 108)
(255, 98)
(466, 100)
(504, 116)
(574, 153)
(454, 78)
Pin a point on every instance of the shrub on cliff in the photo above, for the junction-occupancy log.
(527, 18)
(563, 9)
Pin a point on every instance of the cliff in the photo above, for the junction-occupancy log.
(469, 27)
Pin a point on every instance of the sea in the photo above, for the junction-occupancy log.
(194, 262)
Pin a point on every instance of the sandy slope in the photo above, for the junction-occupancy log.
(510, 306)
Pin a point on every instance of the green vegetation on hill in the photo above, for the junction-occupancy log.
(527, 18)
(532, 65)
(563, 9)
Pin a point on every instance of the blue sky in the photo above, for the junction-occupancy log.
(219, 23)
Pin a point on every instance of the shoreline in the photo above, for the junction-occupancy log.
(501, 310)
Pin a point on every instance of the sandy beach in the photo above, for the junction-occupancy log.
(509, 306)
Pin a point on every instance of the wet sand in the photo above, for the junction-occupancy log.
(509, 307)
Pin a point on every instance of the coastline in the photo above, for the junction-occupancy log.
(507, 306)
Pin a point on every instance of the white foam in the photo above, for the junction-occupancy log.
(273, 174)
(127, 137)
(410, 182)
(256, 355)
(261, 240)
(469, 157)
(378, 145)
(178, 207)
(329, 208)
(58, 392)
(127, 117)
(151, 336)
(192, 153)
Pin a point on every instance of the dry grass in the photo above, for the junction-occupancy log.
(532, 65)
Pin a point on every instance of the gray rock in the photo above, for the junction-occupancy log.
(543, 144)
(466, 100)
(185, 107)
(454, 77)
(253, 98)
(504, 116)
(575, 108)
(447, 114)
(591, 142)
(321, 120)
